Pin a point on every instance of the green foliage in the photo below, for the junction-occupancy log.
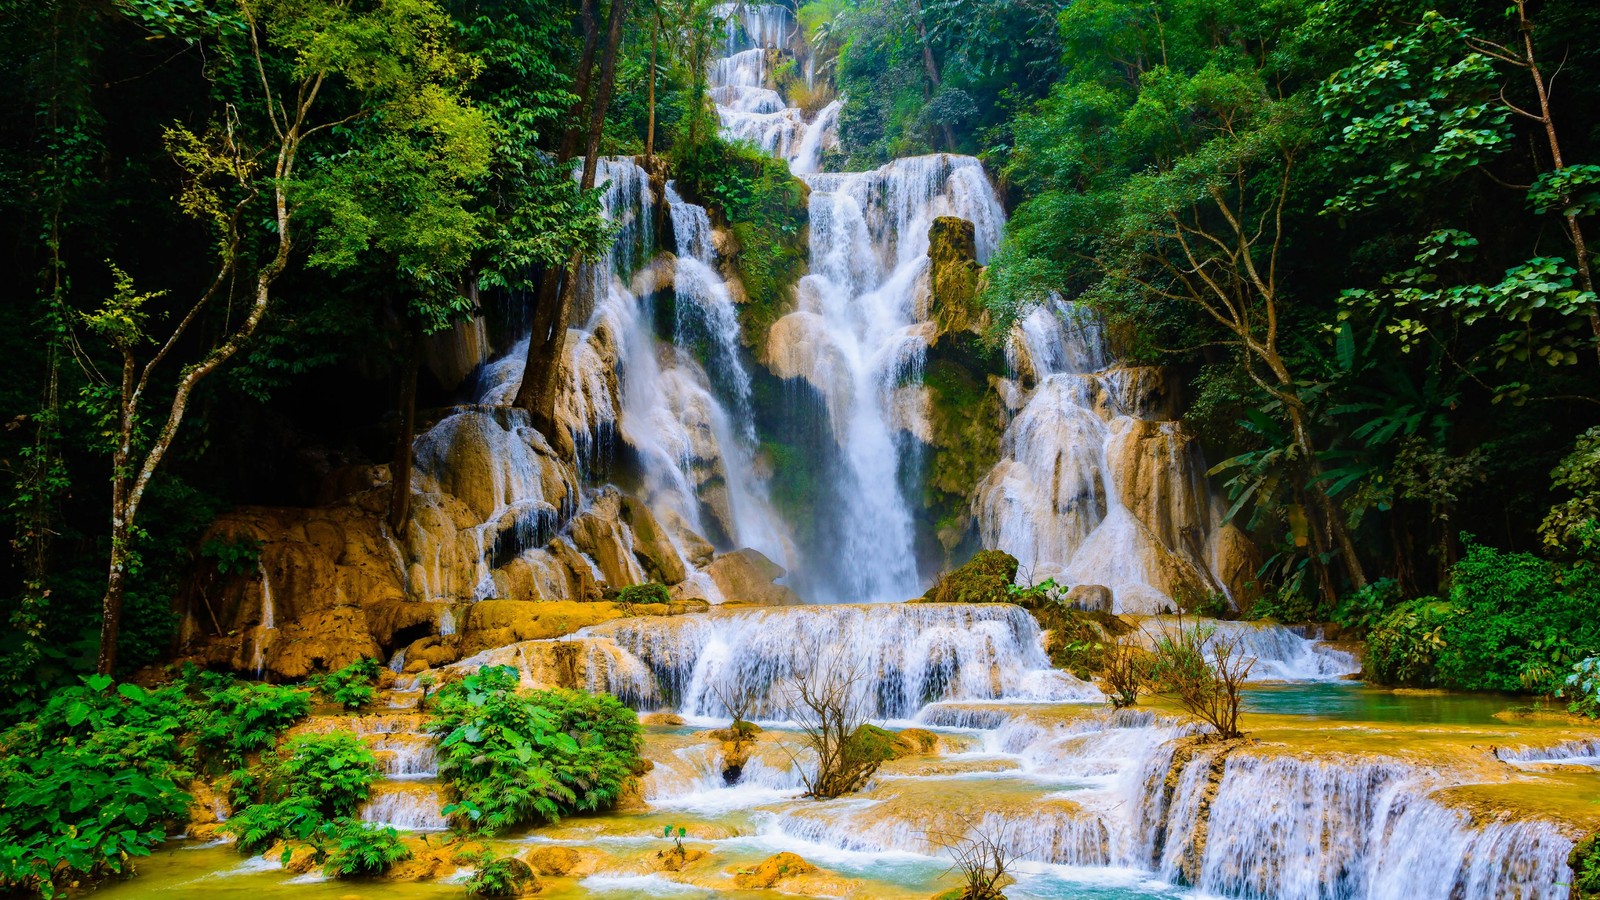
(649, 592)
(764, 205)
(91, 784)
(1403, 647)
(313, 781)
(232, 718)
(677, 833)
(361, 848)
(1204, 672)
(988, 577)
(512, 758)
(497, 876)
(1523, 622)
(232, 556)
(351, 687)
(1362, 609)
(1585, 863)
(1582, 688)
(1573, 525)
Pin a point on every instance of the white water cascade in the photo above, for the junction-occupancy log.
(1097, 484)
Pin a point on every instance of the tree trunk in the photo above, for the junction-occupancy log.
(547, 344)
(400, 465)
(932, 68)
(1547, 119)
(650, 130)
(1325, 505)
(541, 334)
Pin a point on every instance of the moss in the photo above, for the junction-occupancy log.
(1585, 863)
(649, 592)
(871, 743)
(985, 578)
(953, 275)
(965, 424)
(764, 207)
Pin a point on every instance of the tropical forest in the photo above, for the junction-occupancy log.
(869, 449)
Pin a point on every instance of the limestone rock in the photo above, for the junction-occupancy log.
(773, 870)
(496, 623)
(318, 642)
(915, 742)
(553, 862)
(953, 276)
(661, 718)
(1090, 597)
(651, 543)
(748, 576)
(601, 534)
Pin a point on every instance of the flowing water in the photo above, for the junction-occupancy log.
(1350, 793)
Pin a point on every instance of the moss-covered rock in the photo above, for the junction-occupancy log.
(985, 578)
(965, 423)
(953, 275)
(1585, 863)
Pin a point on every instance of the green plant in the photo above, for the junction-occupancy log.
(311, 781)
(1585, 863)
(91, 784)
(232, 555)
(1205, 672)
(677, 833)
(1403, 647)
(351, 687)
(1582, 688)
(498, 876)
(988, 577)
(649, 592)
(360, 848)
(1361, 609)
(230, 719)
(512, 757)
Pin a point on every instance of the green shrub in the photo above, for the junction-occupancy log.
(314, 779)
(351, 687)
(512, 758)
(360, 848)
(649, 592)
(1524, 621)
(1585, 863)
(1361, 609)
(987, 577)
(498, 876)
(1403, 647)
(230, 719)
(1582, 688)
(91, 784)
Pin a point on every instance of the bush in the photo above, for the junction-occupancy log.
(1125, 671)
(1524, 621)
(1585, 863)
(649, 592)
(1205, 673)
(1361, 609)
(832, 719)
(351, 687)
(1403, 647)
(985, 578)
(315, 779)
(498, 876)
(360, 848)
(512, 758)
(1582, 688)
(95, 779)
(91, 784)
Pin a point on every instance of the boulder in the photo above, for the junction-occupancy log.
(316, 642)
(953, 275)
(601, 534)
(747, 576)
(553, 862)
(773, 870)
(1090, 598)
(651, 543)
(496, 623)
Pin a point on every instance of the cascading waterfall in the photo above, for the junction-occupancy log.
(1094, 485)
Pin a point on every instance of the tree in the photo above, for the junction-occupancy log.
(304, 70)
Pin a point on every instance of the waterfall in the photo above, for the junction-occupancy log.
(1096, 485)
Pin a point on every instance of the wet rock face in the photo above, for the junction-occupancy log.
(953, 276)
(748, 577)
(773, 870)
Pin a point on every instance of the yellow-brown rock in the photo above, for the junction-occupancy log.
(601, 534)
(553, 861)
(748, 576)
(915, 742)
(674, 860)
(772, 870)
(651, 544)
(953, 276)
(496, 623)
